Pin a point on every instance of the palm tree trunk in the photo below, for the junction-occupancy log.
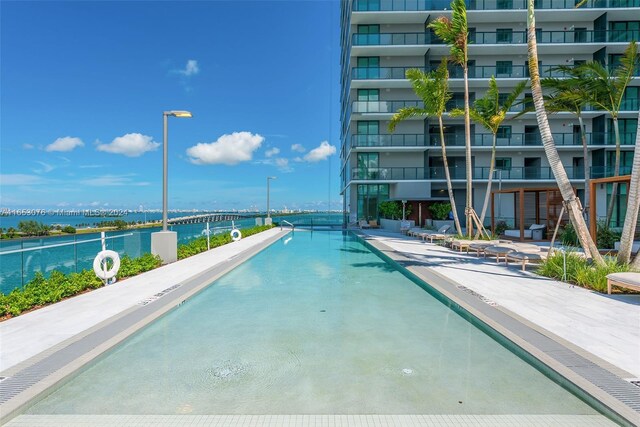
(467, 144)
(633, 206)
(487, 195)
(571, 202)
(616, 172)
(452, 200)
(585, 153)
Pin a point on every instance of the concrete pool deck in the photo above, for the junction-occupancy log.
(607, 326)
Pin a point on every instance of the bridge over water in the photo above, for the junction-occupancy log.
(211, 217)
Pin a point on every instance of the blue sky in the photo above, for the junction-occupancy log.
(84, 85)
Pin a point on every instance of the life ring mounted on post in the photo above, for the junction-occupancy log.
(101, 271)
(236, 235)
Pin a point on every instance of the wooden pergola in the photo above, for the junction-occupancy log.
(553, 202)
(622, 179)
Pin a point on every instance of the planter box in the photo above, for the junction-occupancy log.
(395, 224)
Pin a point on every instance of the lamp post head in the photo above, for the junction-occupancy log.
(271, 177)
(179, 113)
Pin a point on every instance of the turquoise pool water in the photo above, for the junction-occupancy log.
(315, 324)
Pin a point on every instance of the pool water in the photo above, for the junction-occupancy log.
(314, 324)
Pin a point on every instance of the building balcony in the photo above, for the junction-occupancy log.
(475, 72)
(533, 140)
(429, 5)
(389, 107)
(519, 173)
(392, 140)
(499, 37)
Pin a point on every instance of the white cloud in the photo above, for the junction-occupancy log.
(228, 149)
(20, 179)
(272, 152)
(190, 69)
(131, 145)
(46, 167)
(67, 143)
(112, 180)
(320, 153)
(298, 148)
(28, 146)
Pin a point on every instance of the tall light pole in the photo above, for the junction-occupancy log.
(268, 179)
(165, 161)
(165, 243)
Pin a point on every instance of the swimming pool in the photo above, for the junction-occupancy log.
(314, 324)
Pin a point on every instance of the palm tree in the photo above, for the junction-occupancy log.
(564, 185)
(455, 33)
(433, 88)
(490, 113)
(633, 206)
(570, 94)
(606, 88)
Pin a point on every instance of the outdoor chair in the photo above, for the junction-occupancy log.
(460, 244)
(480, 245)
(623, 280)
(499, 251)
(373, 223)
(363, 223)
(525, 258)
(529, 233)
(438, 235)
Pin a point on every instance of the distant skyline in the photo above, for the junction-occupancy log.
(84, 85)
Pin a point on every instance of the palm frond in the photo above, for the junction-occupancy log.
(454, 32)
(513, 96)
(406, 113)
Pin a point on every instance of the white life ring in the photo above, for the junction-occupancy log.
(236, 235)
(103, 256)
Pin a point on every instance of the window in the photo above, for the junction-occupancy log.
(368, 29)
(624, 31)
(368, 67)
(369, 197)
(368, 127)
(368, 166)
(503, 163)
(504, 35)
(630, 99)
(504, 132)
(504, 4)
(504, 68)
(368, 61)
(580, 35)
(368, 94)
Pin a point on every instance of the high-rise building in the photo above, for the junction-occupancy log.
(381, 39)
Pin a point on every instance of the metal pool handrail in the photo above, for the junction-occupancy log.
(293, 227)
(36, 248)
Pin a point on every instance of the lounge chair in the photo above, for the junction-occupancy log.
(460, 244)
(623, 280)
(480, 245)
(438, 235)
(415, 231)
(528, 233)
(525, 258)
(373, 223)
(499, 251)
(363, 223)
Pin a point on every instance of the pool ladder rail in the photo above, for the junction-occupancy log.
(293, 227)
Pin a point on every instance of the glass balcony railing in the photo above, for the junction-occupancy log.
(392, 174)
(531, 139)
(383, 106)
(475, 72)
(479, 173)
(394, 140)
(427, 5)
(500, 37)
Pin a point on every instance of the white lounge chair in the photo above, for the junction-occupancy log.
(623, 280)
(528, 233)
(441, 234)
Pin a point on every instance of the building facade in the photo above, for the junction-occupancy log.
(381, 39)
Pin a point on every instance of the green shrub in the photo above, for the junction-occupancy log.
(500, 227)
(440, 211)
(199, 245)
(69, 229)
(568, 236)
(131, 267)
(605, 236)
(392, 209)
(580, 271)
